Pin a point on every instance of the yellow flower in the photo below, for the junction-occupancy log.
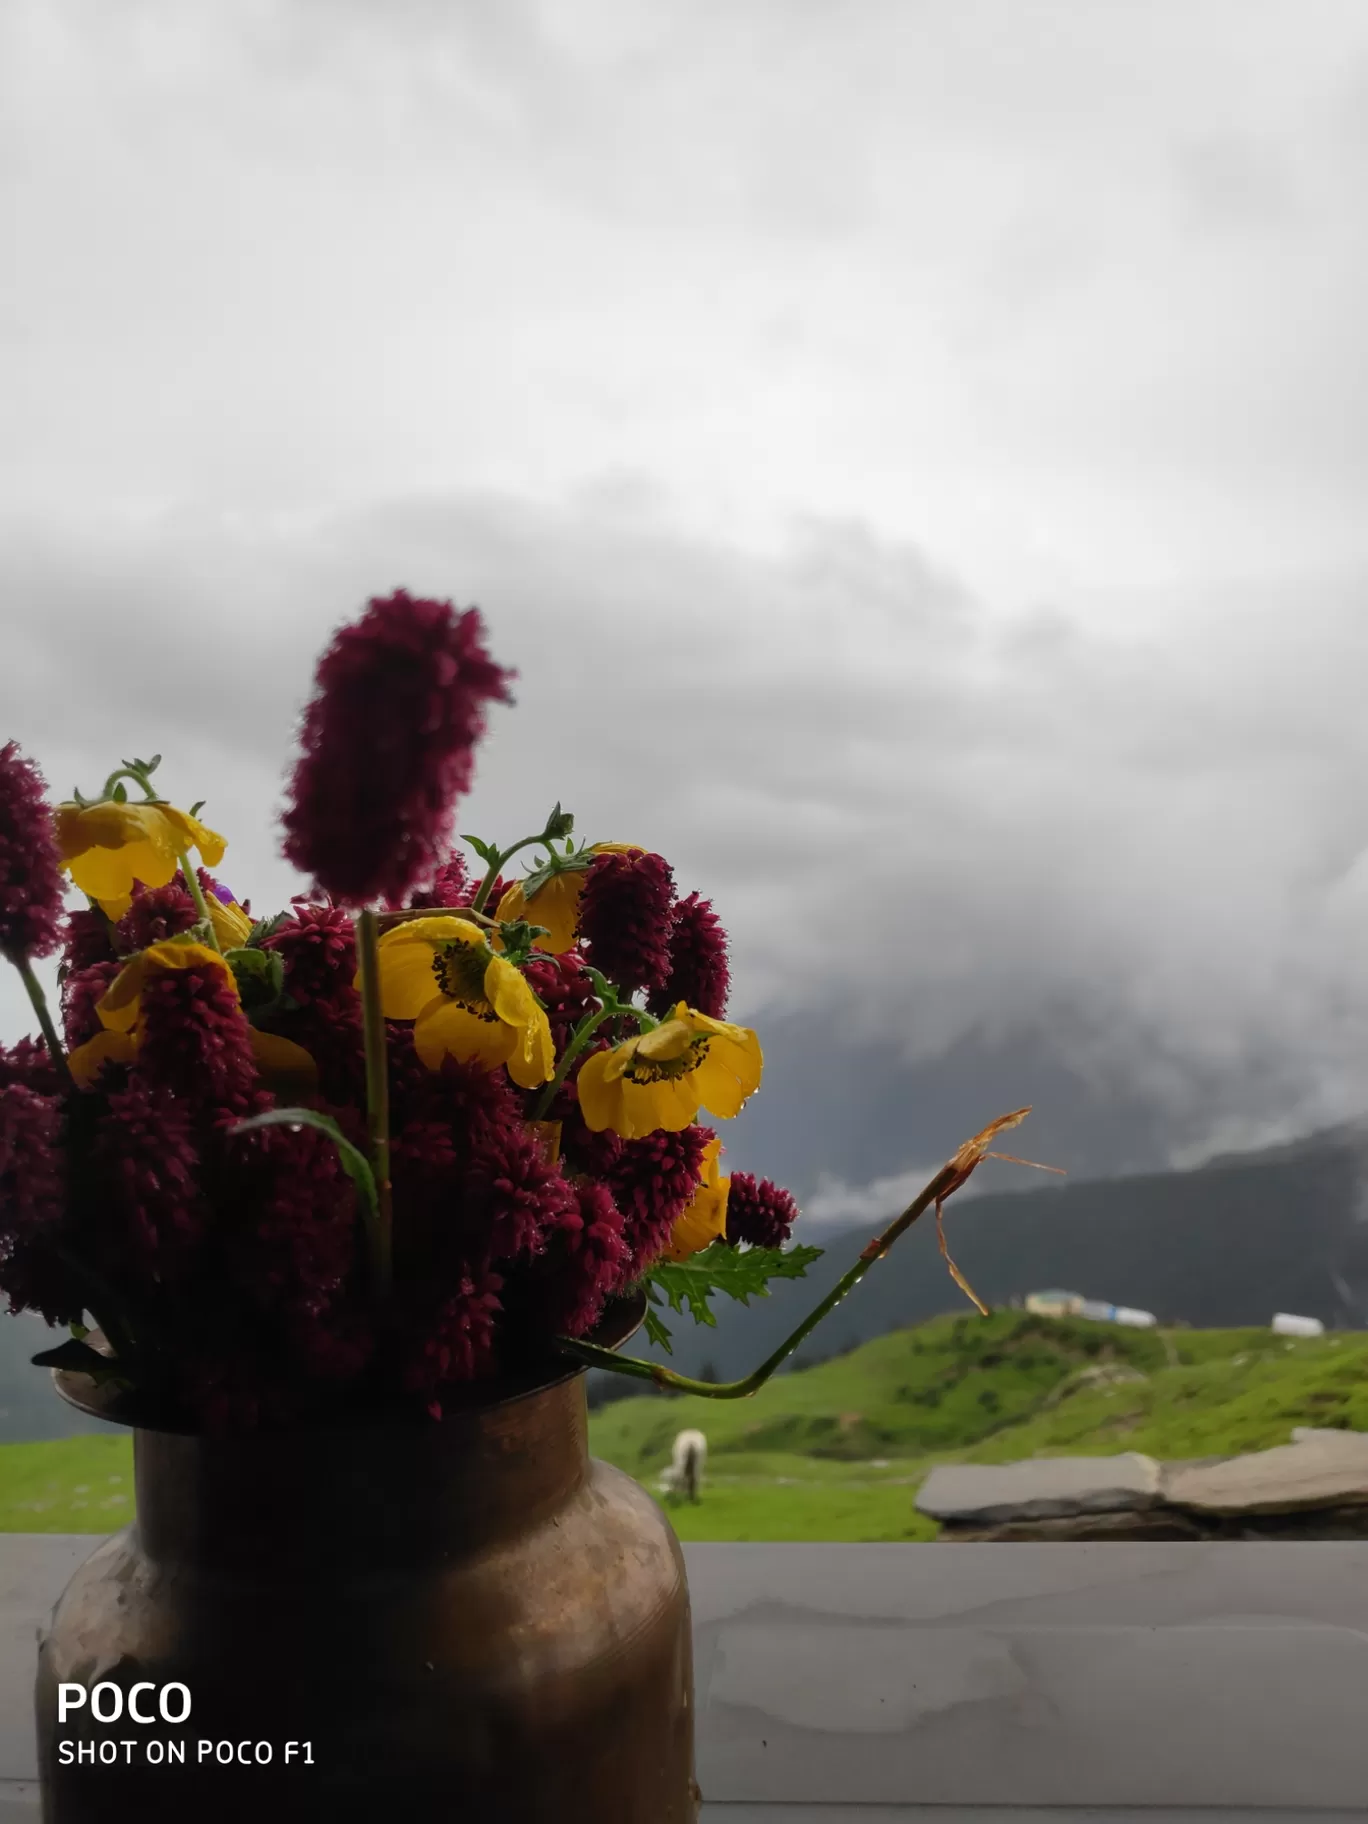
(121, 1008)
(232, 926)
(705, 1220)
(105, 847)
(284, 1066)
(465, 1001)
(660, 1079)
(556, 905)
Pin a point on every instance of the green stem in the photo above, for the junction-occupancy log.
(377, 1088)
(34, 989)
(188, 874)
(946, 1180)
(196, 892)
(579, 1038)
(495, 866)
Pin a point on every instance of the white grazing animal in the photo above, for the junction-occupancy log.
(685, 1472)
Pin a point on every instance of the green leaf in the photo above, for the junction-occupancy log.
(75, 1356)
(260, 978)
(657, 1333)
(153, 764)
(354, 1162)
(574, 861)
(121, 793)
(197, 807)
(740, 1273)
(486, 851)
(559, 823)
(264, 928)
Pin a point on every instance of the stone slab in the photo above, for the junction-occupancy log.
(1130, 1524)
(1040, 1488)
(1005, 1814)
(1328, 1470)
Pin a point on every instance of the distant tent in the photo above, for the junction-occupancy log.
(1286, 1324)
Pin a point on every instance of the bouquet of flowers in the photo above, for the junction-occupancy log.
(411, 1134)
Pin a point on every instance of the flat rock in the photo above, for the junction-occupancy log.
(1329, 1469)
(1157, 1523)
(1041, 1488)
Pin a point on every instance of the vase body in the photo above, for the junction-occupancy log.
(466, 1619)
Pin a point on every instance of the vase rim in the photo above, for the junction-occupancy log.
(622, 1318)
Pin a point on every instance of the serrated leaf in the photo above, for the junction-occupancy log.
(657, 1333)
(741, 1273)
(264, 928)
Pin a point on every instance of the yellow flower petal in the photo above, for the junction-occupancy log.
(661, 1078)
(533, 1060)
(556, 907)
(632, 1109)
(705, 1219)
(86, 1061)
(547, 1135)
(232, 927)
(407, 981)
(119, 1008)
(286, 1068)
(190, 833)
(106, 846)
(409, 978)
(446, 1029)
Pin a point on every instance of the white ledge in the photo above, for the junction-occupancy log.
(971, 1684)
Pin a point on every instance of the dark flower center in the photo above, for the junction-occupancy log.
(662, 1070)
(460, 971)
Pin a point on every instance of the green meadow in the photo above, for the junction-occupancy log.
(837, 1451)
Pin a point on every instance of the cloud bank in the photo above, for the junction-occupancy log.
(918, 821)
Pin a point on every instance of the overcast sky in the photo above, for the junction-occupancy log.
(914, 453)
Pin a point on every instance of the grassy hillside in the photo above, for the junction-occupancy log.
(837, 1451)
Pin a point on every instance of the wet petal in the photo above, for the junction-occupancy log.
(446, 1029)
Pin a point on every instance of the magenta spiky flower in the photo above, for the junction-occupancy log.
(28, 1061)
(31, 883)
(289, 1217)
(457, 1344)
(759, 1213)
(626, 915)
(388, 747)
(155, 914)
(652, 1181)
(33, 1204)
(514, 1198)
(144, 1166)
(586, 1262)
(88, 938)
(194, 1039)
(699, 973)
(564, 990)
(82, 991)
(451, 886)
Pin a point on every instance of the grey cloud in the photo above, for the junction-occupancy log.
(918, 824)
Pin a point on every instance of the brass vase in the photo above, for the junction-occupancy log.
(466, 1619)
